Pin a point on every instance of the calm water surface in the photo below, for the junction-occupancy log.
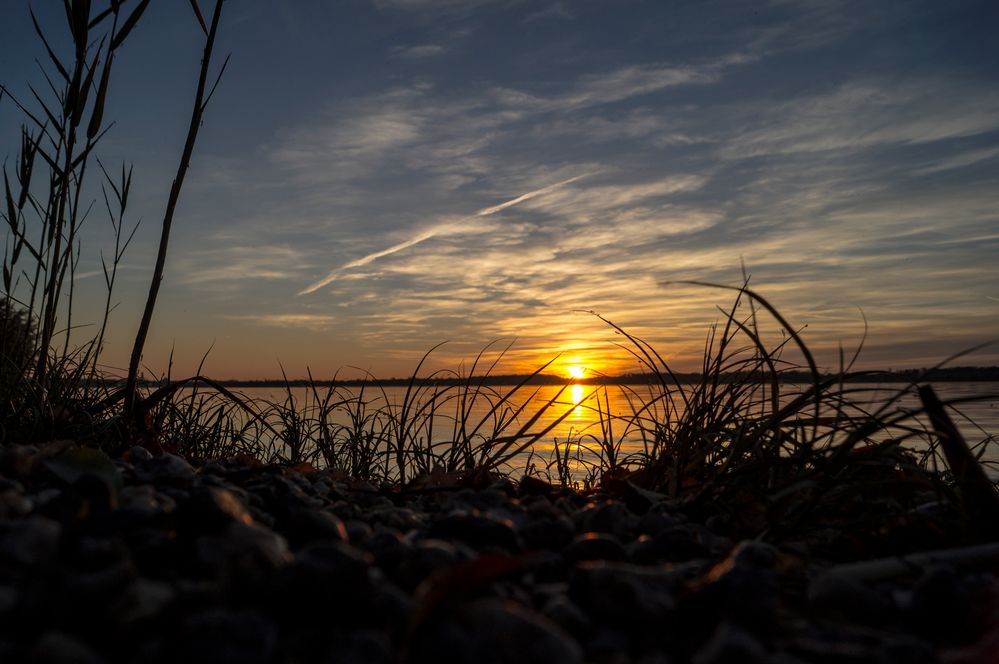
(574, 412)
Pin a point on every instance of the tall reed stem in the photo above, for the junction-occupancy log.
(154, 286)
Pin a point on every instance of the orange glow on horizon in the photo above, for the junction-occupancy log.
(576, 372)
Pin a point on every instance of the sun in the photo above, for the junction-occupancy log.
(576, 372)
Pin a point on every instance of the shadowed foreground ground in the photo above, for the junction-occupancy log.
(152, 560)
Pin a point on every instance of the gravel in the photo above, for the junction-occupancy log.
(154, 560)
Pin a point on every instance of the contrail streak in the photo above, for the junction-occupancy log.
(436, 230)
(485, 212)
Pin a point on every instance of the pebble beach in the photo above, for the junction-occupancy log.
(152, 559)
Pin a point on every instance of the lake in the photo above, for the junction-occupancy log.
(578, 414)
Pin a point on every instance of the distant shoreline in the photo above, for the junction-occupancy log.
(954, 374)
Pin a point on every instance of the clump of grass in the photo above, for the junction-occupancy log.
(775, 456)
(431, 430)
(50, 380)
(17, 352)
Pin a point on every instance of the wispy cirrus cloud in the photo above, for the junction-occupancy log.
(861, 115)
(462, 6)
(441, 229)
(316, 322)
(418, 52)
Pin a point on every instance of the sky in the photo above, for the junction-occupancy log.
(375, 177)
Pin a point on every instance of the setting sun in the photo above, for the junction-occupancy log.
(576, 372)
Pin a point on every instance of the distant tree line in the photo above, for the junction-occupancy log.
(945, 374)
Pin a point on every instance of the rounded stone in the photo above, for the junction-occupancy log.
(165, 469)
(610, 517)
(31, 542)
(547, 532)
(634, 598)
(210, 509)
(496, 631)
(55, 647)
(848, 598)
(313, 525)
(594, 546)
(424, 558)
(221, 635)
(477, 530)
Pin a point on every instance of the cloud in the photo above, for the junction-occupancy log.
(316, 322)
(433, 232)
(556, 10)
(422, 6)
(859, 115)
(960, 160)
(233, 266)
(419, 52)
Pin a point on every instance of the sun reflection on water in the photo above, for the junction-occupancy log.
(576, 392)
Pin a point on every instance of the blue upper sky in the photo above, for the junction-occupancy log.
(377, 176)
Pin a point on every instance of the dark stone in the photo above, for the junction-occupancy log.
(742, 588)
(90, 594)
(154, 550)
(145, 498)
(848, 598)
(243, 553)
(16, 460)
(209, 510)
(568, 502)
(607, 645)
(939, 604)
(55, 647)
(424, 558)
(477, 530)
(387, 547)
(165, 469)
(656, 520)
(567, 615)
(144, 600)
(139, 454)
(504, 485)
(634, 598)
(282, 497)
(677, 544)
(719, 524)
(495, 631)
(612, 517)
(534, 486)
(594, 546)
(32, 542)
(360, 647)
(731, 645)
(346, 510)
(907, 649)
(547, 533)
(312, 525)
(14, 504)
(10, 598)
(357, 531)
(219, 635)
(391, 609)
(325, 582)
(400, 518)
(637, 499)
